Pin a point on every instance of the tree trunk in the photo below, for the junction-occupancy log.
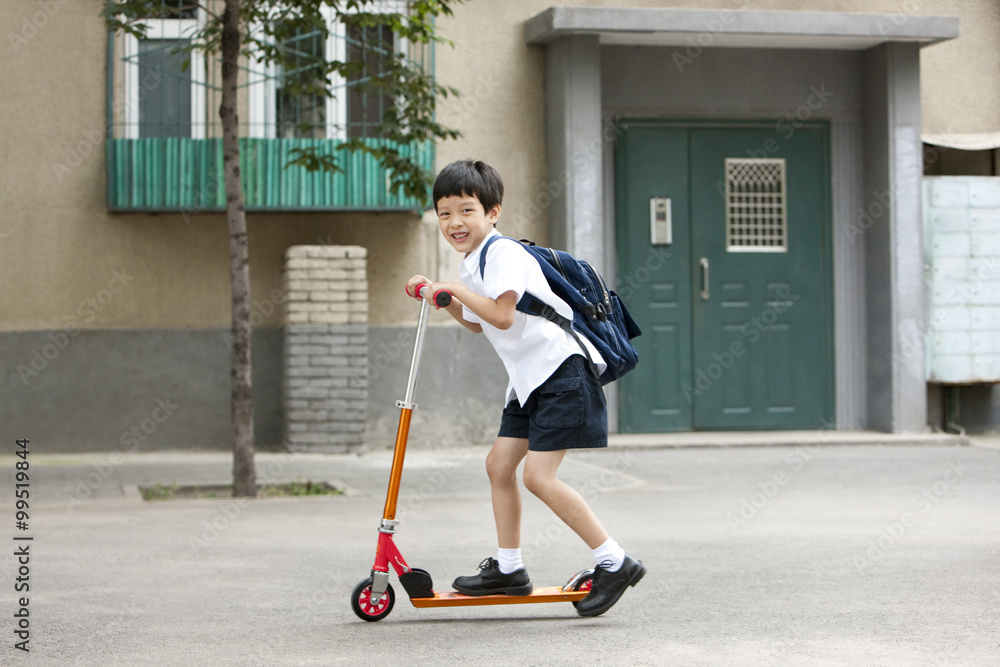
(244, 477)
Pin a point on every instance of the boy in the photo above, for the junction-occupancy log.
(553, 400)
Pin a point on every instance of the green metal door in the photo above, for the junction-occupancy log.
(723, 241)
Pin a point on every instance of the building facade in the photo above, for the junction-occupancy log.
(749, 175)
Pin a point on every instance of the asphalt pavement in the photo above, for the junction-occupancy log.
(808, 553)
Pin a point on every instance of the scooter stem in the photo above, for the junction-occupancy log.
(418, 348)
(406, 407)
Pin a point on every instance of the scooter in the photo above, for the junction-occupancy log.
(373, 598)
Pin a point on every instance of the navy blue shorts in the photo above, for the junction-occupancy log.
(567, 411)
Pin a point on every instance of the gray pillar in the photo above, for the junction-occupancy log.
(574, 145)
(893, 239)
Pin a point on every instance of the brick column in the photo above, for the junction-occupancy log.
(326, 348)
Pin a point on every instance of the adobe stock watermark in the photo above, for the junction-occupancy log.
(787, 127)
(923, 503)
(463, 106)
(434, 480)
(753, 330)
(696, 44)
(582, 159)
(130, 440)
(259, 312)
(88, 310)
(30, 25)
(795, 461)
(387, 354)
(913, 336)
(91, 142)
(656, 258)
(231, 509)
(910, 173)
(537, 545)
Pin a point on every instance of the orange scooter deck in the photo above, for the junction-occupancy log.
(456, 599)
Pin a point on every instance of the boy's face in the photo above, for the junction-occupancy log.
(464, 222)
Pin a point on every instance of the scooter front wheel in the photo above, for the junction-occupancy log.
(362, 605)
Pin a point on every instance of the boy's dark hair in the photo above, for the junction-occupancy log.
(470, 178)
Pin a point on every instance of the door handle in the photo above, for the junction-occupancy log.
(704, 279)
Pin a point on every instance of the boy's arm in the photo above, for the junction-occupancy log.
(497, 312)
(454, 309)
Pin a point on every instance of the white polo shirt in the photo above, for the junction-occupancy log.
(533, 347)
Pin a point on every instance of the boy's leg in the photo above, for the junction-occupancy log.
(567, 503)
(607, 585)
(501, 466)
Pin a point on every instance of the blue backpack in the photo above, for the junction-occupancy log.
(598, 313)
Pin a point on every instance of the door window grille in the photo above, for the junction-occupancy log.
(756, 205)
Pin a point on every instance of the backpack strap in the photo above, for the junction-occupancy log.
(531, 304)
(482, 253)
(542, 309)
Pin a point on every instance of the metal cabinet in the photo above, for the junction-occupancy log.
(961, 216)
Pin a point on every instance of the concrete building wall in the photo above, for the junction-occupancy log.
(147, 295)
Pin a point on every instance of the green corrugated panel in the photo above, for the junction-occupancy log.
(357, 179)
(187, 174)
(300, 179)
(253, 176)
(318, 183)
(165, 194)
(121, 173)
(201, 176)
(173, 191)
(138, 182)
(148, 169)
(281, 194)
(273, 151)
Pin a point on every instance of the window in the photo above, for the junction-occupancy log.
(300, 114)
(755, 205)
(368, 45)
(352, 110)
(163, 97)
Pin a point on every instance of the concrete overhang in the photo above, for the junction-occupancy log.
(738, 28)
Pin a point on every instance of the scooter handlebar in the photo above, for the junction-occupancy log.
(442, 298)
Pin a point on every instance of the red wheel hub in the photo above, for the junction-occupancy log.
(365, 602)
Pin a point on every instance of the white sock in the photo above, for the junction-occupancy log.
(610, 551)
(509, 560)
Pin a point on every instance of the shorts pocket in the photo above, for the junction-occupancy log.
(560, 404)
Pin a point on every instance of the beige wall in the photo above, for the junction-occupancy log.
(59, 247)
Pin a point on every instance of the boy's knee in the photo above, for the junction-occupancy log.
(534, 482)
(498, 469)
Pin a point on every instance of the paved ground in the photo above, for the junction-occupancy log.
(804, 554)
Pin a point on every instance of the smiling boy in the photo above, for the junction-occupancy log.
(553, 400)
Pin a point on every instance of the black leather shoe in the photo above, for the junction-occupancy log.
(607, 586)
(491, 581)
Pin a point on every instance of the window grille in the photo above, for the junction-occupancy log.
(756, 211)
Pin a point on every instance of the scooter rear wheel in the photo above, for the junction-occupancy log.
(362, 605)
(582, 581)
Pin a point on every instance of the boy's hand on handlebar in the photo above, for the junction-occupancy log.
(435, 289)
(415, 282)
